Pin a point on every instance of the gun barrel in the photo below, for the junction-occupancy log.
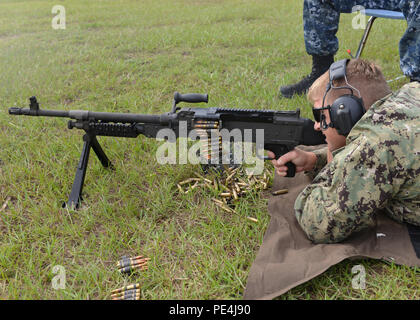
(89, 115)
(43, 113)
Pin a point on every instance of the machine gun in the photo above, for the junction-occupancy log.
(283, 130)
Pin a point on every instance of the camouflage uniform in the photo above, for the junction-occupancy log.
(379, 168)
(321, 18)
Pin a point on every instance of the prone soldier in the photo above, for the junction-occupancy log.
(372, 158)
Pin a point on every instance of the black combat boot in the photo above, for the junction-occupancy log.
(320, 64)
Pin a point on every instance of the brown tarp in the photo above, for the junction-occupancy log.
(287, 258)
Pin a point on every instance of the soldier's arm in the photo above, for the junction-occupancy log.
(321, 162)
(309, 161)
(343, 197)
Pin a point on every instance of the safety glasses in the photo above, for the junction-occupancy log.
(320, 117)
(317, 112)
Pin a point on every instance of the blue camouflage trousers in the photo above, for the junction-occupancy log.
(321, 18)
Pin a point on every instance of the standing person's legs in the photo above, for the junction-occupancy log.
(410, 41)
(320, 25)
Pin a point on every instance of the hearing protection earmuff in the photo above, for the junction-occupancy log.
(346, 110)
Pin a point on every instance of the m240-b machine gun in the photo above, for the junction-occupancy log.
(282, 130)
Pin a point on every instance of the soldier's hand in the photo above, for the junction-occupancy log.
(303, 160)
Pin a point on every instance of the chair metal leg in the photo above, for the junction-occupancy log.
(364, 38)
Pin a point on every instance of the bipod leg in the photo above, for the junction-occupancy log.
(76, 191)
(100, 153)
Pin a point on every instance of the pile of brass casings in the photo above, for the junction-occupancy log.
(229, 185)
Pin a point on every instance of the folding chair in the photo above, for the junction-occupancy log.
(376, 13)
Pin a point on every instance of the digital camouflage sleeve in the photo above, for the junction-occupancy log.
(379, 168)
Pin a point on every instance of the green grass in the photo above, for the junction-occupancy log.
(132, 56)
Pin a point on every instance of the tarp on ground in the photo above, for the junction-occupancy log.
(287, 258)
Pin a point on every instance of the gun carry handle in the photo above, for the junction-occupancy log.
(278, 151)
(190, 97)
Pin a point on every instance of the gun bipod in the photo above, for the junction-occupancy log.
(90, 141)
